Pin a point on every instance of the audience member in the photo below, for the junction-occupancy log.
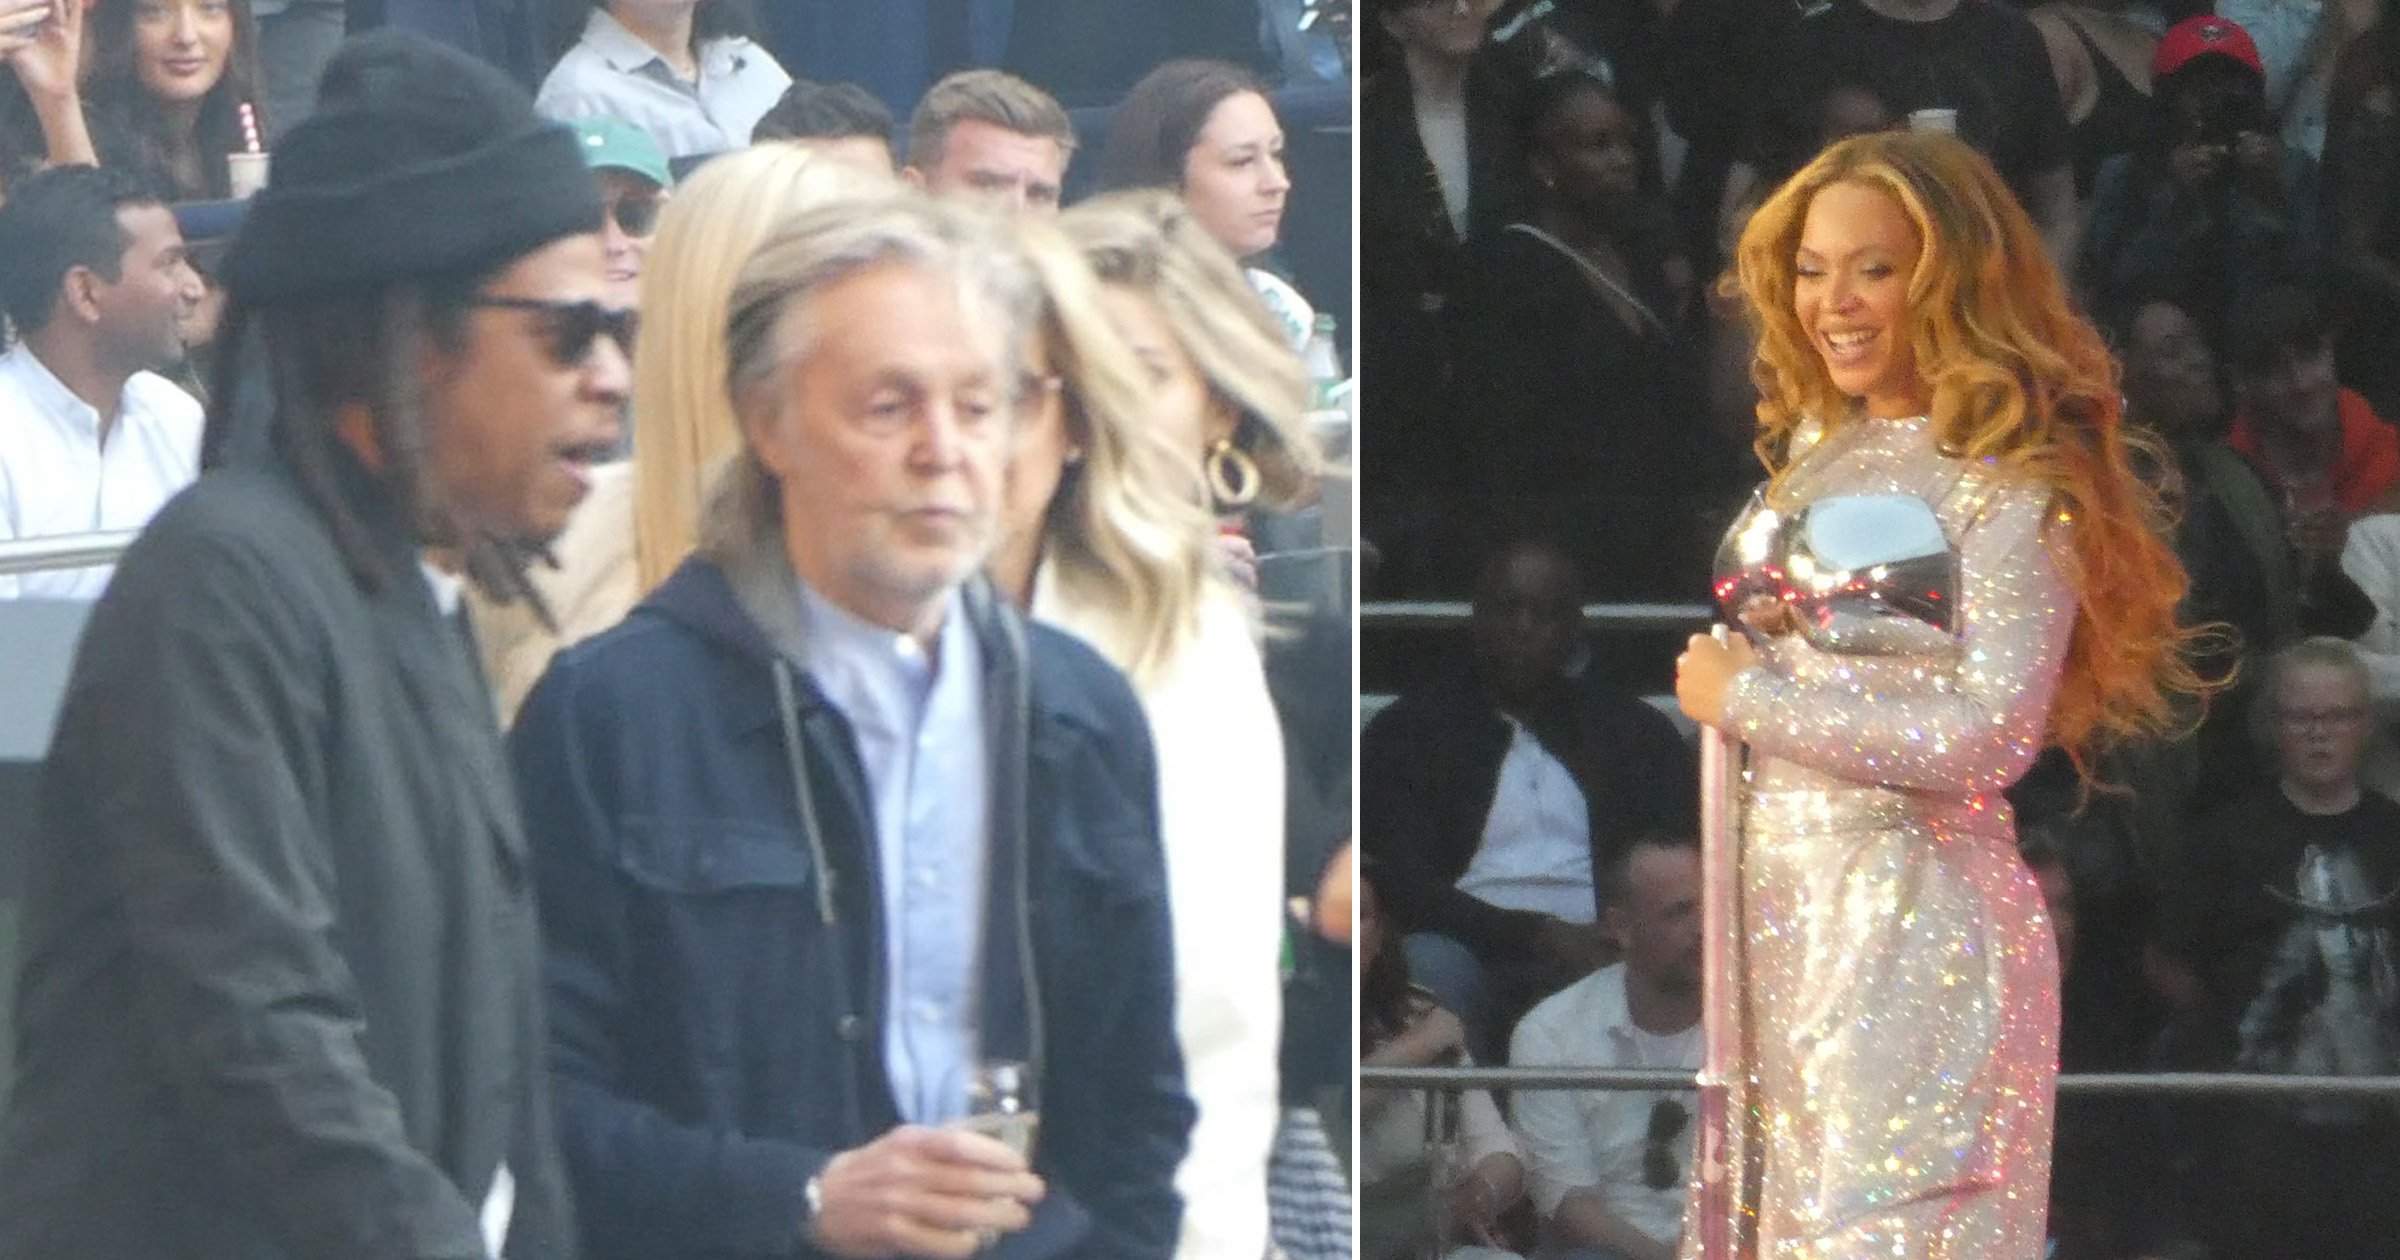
(2270, 585)
(2213, 208)
(1414, 1197)
(93, 277)
(634, 182)
(2100, 54)
(1608, 1167)
(940, 765)
(1233, 393)
(2371, 558)
(2320, 446)
(2280, 949)
(1575, 375)
(993, 137)
(1489, 805)
(684, 70)
(154, 86)
(1981, 59)
(281, 983)
(1103, 535)
(841, 121)
(643, 514)
(1437, 168)
(2362, 182)
(1206, 130)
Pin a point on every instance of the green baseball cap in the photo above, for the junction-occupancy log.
(612, 144)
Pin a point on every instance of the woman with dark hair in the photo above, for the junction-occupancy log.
(1574, 389)
(1206, 131)
(160, 93)
(2362, 188)
(687, 70)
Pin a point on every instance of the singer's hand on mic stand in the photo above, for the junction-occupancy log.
(1705, 669)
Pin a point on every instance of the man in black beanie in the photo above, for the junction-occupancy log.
(279, 997)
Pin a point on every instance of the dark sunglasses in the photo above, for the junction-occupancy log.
(636, 216)
(1660, 1166)
(570, 328)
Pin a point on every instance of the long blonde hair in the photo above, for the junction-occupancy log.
(2019, 379)
(1148, 241)
(683, 423)
(1125, 531)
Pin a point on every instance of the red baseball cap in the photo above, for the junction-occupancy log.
(2202, 36)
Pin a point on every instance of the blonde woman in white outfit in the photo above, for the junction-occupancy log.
(1106, 537)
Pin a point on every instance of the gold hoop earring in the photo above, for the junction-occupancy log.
(1232, 475)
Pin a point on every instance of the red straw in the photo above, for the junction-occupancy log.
(249, 118)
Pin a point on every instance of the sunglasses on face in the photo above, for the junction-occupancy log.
(636, 216)
(570, 328)
(1660, 1165)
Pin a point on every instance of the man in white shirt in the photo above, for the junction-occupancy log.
(93, 276)
(991, 137)
(681, 70)
(1608, 1167)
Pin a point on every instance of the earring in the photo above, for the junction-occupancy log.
(1074, 456)
(1232, 475)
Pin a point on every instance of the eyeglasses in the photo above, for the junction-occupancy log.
(2321, 719)
(570, 328)
(636, 216)
(1662, 1165)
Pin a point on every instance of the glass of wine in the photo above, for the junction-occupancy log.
(1002, 1103)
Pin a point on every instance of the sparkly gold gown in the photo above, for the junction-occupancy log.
(1900, 986)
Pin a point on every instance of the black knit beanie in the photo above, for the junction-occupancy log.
(419, 161)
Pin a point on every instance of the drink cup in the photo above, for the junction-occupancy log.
(246, 172)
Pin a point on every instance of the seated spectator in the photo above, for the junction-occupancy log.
(93, 277)
(684, 70)
(1206, 130)
(2213, 209)
(160, 93)
(2100, 54)
(992, 137)
(634, 182)
(2320, 446)
(1608, 1167)
(2279, 950)
(1489, 805)
(842, 121)
(2248, 571)
(1980, 58)
(1413, 1200)
(2297, 46)
(1575, 372)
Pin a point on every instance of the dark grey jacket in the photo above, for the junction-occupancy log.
(280, 992)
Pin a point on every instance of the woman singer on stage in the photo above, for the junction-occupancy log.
(1950, 565)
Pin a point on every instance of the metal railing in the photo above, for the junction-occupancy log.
(62, 551)
(2187, 1084)
(1437, 613)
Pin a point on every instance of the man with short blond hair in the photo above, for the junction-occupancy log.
(991, 136)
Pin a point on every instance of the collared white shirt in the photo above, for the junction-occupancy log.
(611, 74)
(919, 724)
(1537, 840)
(1595, 1139)
(56, 477)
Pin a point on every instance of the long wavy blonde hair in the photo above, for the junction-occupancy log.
(683, 424)
(1148, 241)
(2017, 378)
(1125, 532)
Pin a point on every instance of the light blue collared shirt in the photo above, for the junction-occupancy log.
(611, 73)
(920, 729)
